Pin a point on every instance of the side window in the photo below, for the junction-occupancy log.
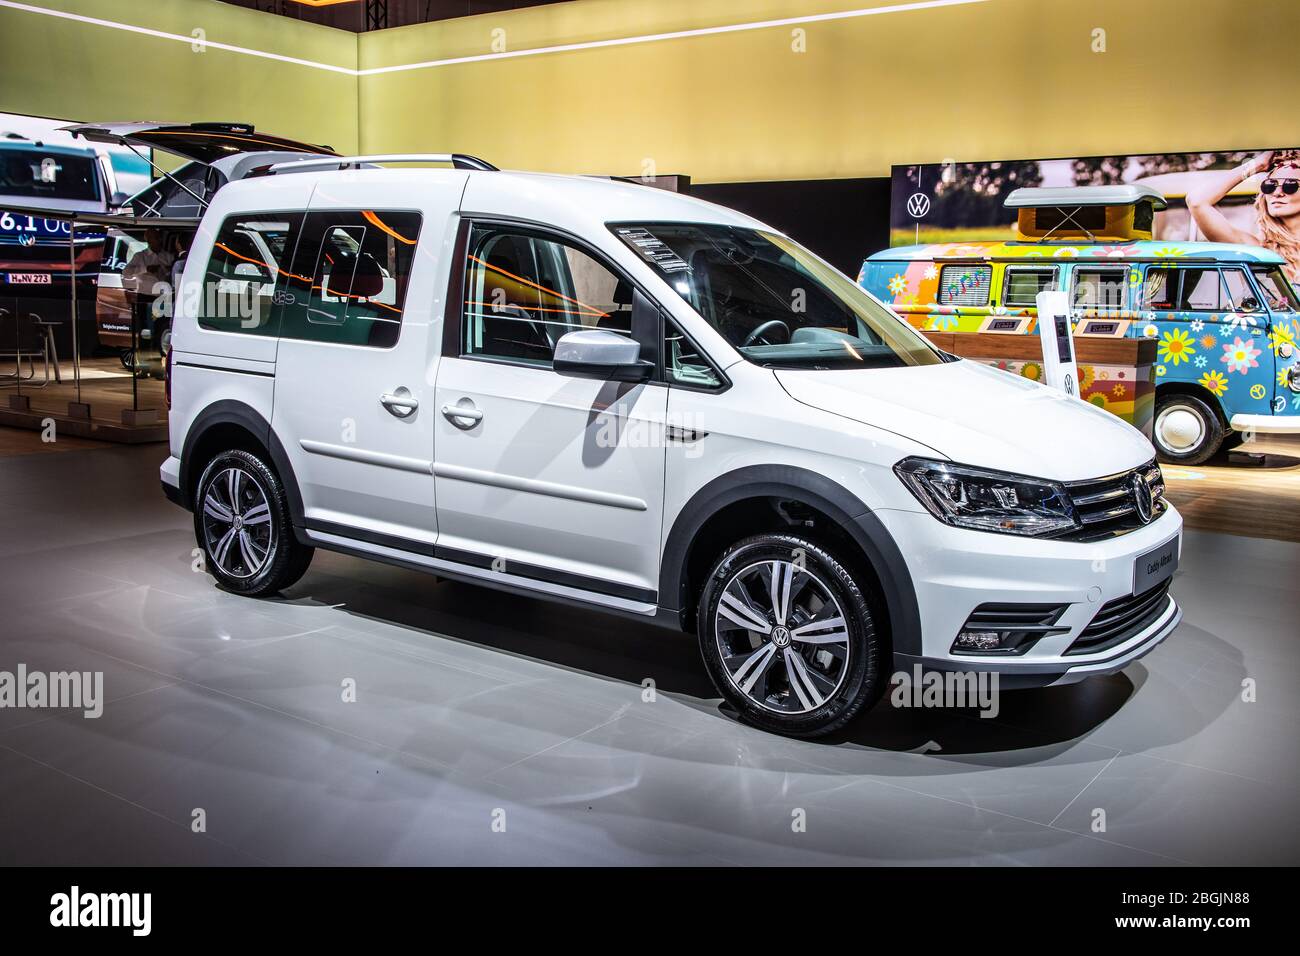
(1160, 291)
(1020, 286)
(683, 362)
(239, 283)
(1201, 290)
(525, 290)
(349, 277)
(1240, 294)
(964, 285)
(1098, 288)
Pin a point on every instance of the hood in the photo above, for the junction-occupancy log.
(976, 415)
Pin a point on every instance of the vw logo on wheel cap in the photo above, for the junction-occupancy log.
(1143, 500)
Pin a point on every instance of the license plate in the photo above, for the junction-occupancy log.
(1155, 567)
(29, 278)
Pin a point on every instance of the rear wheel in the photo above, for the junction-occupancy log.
(242, 523)
(787, 636)
(1187, 431)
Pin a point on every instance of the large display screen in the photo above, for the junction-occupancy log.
(1244, 196)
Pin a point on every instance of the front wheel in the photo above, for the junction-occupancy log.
(242, 523)
(788, 637)
(1187, 431)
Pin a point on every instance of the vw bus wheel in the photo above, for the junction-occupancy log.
(1187, 431)
(788, 637)
(241, 521)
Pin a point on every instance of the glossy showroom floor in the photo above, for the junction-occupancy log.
(474, 708)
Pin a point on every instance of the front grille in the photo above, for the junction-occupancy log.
(1106, 507)
(1120, 619)
(1024, 623)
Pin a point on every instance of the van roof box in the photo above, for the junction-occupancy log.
(1092, 213)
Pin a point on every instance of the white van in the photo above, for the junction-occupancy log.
(606, 394)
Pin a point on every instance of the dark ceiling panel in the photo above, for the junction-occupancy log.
(360, 16)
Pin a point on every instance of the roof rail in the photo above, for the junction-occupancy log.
(457, 160)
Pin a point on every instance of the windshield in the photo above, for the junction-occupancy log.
(33, 174)
(1281, 297)
(777, 303)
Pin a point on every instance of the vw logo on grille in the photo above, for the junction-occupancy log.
(1143, 500)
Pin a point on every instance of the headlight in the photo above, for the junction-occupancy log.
(1293, 378)
(985, 500)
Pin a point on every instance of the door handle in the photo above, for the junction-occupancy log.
(464, 416)
(400, 402)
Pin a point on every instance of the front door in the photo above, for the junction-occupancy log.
(543, 475)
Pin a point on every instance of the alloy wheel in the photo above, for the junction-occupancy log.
(782, 636)
(237, 525)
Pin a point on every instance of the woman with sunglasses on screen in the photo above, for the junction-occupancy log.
(1277, 207)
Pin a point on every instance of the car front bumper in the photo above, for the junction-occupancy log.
(954, 571)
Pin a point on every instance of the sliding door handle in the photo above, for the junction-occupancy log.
(400, 402)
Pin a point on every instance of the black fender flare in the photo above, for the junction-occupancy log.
(230, 412)
(817, 491)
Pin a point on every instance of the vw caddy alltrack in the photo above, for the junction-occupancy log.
(1224, 317)
(606, 394)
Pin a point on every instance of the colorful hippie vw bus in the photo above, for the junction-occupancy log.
(1223, 318)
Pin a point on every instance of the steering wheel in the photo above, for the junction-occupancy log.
(762, 330)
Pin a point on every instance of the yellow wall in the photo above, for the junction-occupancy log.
(74, 70)
(995, 79)
(998, 79)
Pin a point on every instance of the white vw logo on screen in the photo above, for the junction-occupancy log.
(918, 204)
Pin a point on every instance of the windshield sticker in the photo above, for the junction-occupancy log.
(652, 250)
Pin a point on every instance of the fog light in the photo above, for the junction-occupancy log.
(978, 641)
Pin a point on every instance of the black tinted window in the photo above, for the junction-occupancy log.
(238, 289)
(349, 278)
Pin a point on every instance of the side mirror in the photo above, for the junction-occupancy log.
(600, 353)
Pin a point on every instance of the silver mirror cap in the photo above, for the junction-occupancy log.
(600, 353)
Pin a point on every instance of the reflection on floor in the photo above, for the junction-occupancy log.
(106, 386)
(1254, 489)
(477, 713)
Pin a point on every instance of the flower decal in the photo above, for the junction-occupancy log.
(1280, 337)
(1170, 252)
(1160, 371)
(1150, 331)
(1032, 371)
(931, 273)
(1118, 391)
(1197, 325)
(1240, 321)
(1176, 347)
(897, 285)
(1208, 341)
(1215, 383)
(1240, 356)
(1199, 361)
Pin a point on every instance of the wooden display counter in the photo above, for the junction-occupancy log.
(1115, 374)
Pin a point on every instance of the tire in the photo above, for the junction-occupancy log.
(798, 688)
(249, 549)
(1186, 430)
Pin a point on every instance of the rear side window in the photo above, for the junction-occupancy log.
(1201, 291)
(1020, 287)
(965, 285)
(1097, 288)
(238, 292)
(349, 277)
